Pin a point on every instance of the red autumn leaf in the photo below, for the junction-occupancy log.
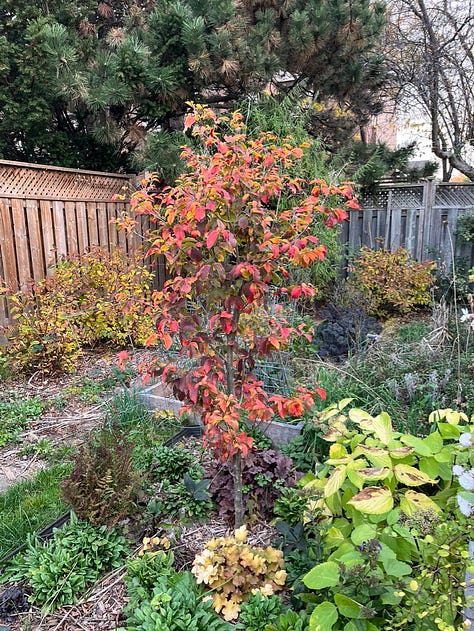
(352, 203)
(321, 393)
(151, 339)
(212, 238)
(122, 358)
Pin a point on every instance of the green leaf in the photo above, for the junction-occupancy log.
(322, 575)
(393, 517)
(374, 500)
(434, 441)
(347, 607)
(333, 538)
(363, 533)
(430, 466)
(418, 444)
(391, 565)
(449, 431)
(323, 618)
(445, 455)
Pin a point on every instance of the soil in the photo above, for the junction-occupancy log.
(70, 411)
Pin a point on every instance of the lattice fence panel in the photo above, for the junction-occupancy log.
(455, 196)
(38, 181)
(377, 199)
(407, 197)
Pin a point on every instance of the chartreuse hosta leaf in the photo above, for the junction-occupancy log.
(334, 409)
(373, 500)
(398, 453)
(410, 476)
(324, 617)
(335, 480)
(412, 502)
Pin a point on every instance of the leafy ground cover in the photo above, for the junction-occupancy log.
(334, 542)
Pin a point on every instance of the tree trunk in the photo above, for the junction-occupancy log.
(238, 494)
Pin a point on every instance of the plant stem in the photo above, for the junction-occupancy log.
(238, 495)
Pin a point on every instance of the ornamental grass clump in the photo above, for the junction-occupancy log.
(234, 570)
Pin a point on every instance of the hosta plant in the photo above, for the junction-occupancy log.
(233, 569)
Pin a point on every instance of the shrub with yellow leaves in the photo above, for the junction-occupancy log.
(234, 569)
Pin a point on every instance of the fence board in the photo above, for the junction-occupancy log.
(102, 225)
(70, 216)
(21, 244)
(49, 246)
(59, 229)
(112, 227)
(411, 225)
(82, 231)
(395, 229)
(7, 246)
(36, 240)
(92, 224)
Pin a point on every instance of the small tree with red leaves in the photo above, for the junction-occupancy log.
(228, 230)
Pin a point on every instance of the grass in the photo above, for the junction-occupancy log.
(29, 506)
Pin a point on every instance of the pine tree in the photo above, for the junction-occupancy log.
(83, 83)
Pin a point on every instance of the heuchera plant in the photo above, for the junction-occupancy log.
(229, 230)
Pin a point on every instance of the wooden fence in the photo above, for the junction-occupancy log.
(48, 212)
(420, 217)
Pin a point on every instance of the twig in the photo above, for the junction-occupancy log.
(94, 597)
(63, 619)
(28, 464)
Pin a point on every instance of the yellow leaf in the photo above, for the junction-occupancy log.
(412, 502)
(377, 456)
(411, 476)
(381, 426)
(335, 481)
(374, 473)
(374, 500)
(337, 451)
(240, 534)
